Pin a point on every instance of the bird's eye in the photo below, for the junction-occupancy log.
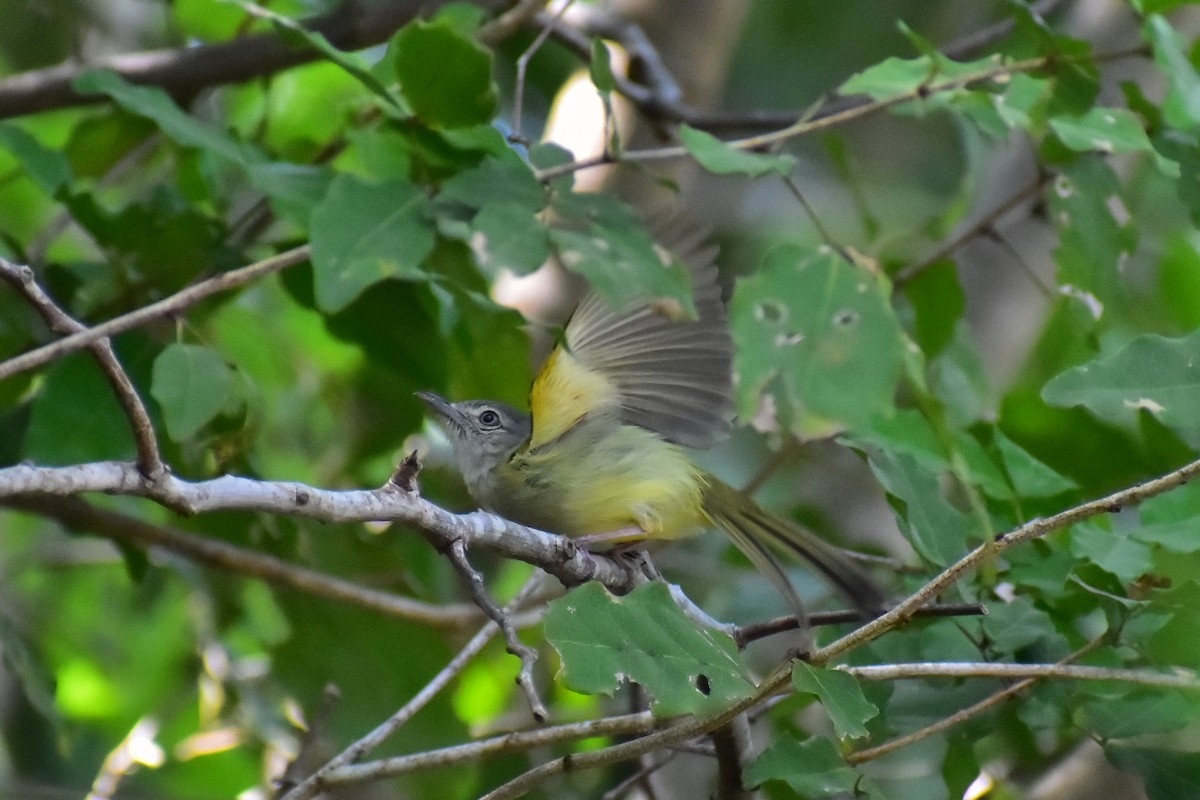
(489, 418)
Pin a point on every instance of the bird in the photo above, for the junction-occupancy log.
(605, 452)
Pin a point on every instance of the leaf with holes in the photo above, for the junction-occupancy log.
(644, 637)
(819, 336)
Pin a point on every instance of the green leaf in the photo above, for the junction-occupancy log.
(158, 106)
(720, 158)
(192, 384)
(1016, 625)
(818, 333)
(363, 233)
(352, 63)
(1030, 477)
(445, 76)
(1167, 774)
(609, 245)
(895, 77)
(841, 696)
(644, 637)
(1092, 241)
(1110, 130)
(1182, 105)
(1138, 714)
(294, 189)
(47, 168)
(509, 236)
(1151, 374)
(495, 181)
(812, 767)
(1115, 552)
(937, 530)
(98, 428)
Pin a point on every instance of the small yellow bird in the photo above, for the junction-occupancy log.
(604, 452)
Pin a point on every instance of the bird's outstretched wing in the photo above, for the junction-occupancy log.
(669, 376)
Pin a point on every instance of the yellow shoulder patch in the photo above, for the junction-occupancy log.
(563, 392)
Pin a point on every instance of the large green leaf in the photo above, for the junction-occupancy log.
(720, 158)
(445, 76)
(1110, 130)
(1151, 374)
(812, 767)
(192, 384)
(818, 334)
(644, 637)
(363, 233)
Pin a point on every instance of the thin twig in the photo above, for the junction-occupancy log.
(457, 553)
(506, 24)
(522, 68)
(841, 117)
(77, 514)
(962, 715)
(976, 228)
(163, 308)
(515, 742)
(313, 784)
(1032, 530)
(989, 669)
(150, 462)
(745, 634)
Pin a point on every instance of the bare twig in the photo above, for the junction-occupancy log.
(79, 515)
(745, 634)
(457, 553)
(971, 43)
(313, 784)
(624, 725)
(988, 669)
(976, 228)
(734, 750)
(512, 20)
(522, 68)
(962, 715)
(21, 277)
(165, 307)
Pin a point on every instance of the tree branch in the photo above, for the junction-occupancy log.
(185, 71)
(985, 552)
(624, 725)
(962, 715)
(987, 669)
(313, 784)
(163, 308)
(150, 462)
(77, 514)
(557, 555)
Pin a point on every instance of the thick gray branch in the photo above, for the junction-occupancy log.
(557, 555)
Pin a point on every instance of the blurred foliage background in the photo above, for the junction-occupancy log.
(998, 282)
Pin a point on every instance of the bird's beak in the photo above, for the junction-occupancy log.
(443, 410)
